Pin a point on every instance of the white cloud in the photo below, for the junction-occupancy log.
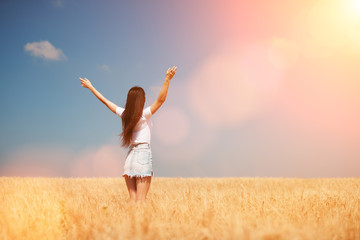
(104, 67)
(44, 49)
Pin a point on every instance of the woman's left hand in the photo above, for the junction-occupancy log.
(170, 73)
(85, 83)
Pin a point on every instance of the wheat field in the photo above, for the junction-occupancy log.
(180, 208)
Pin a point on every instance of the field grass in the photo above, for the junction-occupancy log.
(180, 208)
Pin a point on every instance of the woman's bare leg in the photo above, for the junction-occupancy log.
(142, 188)
(131, 185)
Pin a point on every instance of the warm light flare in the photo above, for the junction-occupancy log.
(235, 83)
(328, 27)
(353, 28)
(356, 6)
(327, 21)
(282, 53)
(172, 126)
(218, 93)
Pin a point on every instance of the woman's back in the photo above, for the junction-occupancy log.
(142, 130)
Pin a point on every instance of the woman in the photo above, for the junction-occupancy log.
(136, 134)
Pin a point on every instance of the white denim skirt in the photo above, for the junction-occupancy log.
(138, 161)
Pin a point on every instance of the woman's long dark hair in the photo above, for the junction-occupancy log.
(133, 111)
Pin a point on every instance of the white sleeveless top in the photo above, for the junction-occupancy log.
(142, 130)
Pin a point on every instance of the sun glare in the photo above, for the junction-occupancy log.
(353, 9)
(357, 6)
(329, 27)
(353, 27)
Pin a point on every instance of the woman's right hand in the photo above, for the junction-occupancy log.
(85, 83)
(170, 73)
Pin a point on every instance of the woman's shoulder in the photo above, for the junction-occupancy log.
(147, 112)
(119, 111)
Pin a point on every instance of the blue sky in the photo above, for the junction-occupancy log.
(90, 35)
(230, 111)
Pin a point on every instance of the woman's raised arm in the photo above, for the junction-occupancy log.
(163, 93)
(87, 84)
